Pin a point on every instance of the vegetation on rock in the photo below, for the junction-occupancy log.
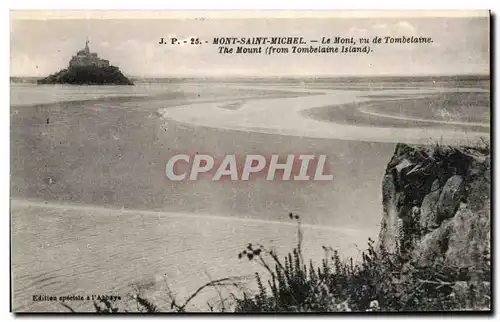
(88, 75)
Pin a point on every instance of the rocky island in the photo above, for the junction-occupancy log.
(86, 68)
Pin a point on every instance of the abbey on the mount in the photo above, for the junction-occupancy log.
(86, 68)
(86, 58)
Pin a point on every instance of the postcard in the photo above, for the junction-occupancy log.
(250, 162)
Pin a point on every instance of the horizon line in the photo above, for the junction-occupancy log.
(290, 76)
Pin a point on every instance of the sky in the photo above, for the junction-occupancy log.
(41, 45)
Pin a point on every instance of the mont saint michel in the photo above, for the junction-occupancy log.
(87, 68)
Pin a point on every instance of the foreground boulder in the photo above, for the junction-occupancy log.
(436, 203)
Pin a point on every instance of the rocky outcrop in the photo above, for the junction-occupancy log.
(88, 75)
(436, 203)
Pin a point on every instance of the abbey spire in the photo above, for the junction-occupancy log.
(87, 49)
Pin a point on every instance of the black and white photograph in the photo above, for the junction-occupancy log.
(250, 162)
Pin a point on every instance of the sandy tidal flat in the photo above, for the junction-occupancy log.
(92, 211)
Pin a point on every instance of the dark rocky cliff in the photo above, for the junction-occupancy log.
(436, 209)
(88, 75)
